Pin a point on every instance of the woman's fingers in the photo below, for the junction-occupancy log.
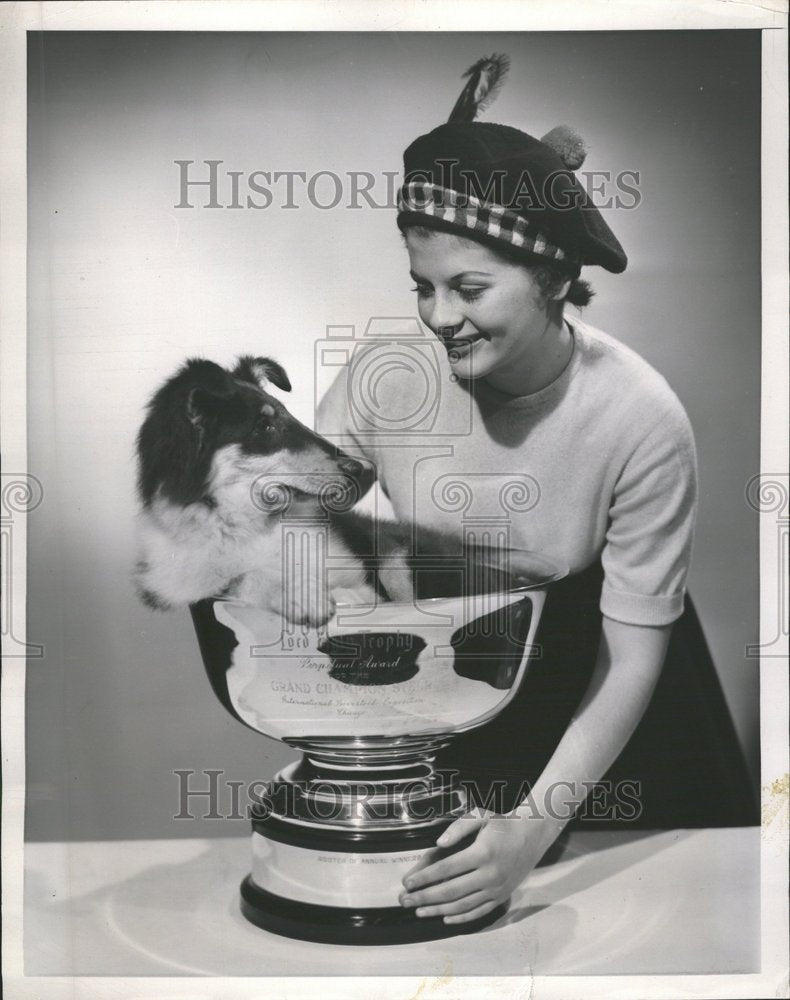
(462, 905)
(463, 827)
(473, 914)
(438, 871)
(428, 870)
(444, 892)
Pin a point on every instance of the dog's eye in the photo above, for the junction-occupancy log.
(265, 421)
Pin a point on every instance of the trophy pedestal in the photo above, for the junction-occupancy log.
(346, 924)
(330, 852)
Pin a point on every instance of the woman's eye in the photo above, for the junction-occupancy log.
(471, 293)
(467, 294)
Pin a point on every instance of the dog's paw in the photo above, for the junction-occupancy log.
(313, 614)
(356, 597)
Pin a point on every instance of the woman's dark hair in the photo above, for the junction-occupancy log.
(549, 277)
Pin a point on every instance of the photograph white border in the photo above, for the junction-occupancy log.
(398, 15)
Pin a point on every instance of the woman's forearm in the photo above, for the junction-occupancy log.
(630, 658)
(462, 883)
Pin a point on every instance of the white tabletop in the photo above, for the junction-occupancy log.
(679, 901)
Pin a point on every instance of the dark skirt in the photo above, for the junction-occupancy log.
(683, 767)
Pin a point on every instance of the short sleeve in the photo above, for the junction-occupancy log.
(647, 550)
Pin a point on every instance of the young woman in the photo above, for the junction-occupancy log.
(497, 228)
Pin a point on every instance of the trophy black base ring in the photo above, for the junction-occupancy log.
(346, 925)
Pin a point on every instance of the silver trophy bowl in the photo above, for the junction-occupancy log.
(369, 698)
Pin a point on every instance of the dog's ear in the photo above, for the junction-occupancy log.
(203, 404)
(259, 371)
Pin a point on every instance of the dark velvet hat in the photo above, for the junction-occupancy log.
(504, 188)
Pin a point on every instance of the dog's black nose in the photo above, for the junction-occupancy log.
(352, 467)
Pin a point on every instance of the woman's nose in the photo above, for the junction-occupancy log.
(444, 317)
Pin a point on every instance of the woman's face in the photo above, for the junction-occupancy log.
(492, 319)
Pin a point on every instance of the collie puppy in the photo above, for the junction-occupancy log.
(223, 466)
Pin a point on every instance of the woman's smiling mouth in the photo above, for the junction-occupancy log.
(459, 347)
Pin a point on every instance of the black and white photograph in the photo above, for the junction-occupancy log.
(395, 499)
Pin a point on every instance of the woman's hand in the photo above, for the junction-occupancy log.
(501, 851)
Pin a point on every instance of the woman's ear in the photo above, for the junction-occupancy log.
(561, 291)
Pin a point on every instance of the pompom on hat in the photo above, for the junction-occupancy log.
(504, 188)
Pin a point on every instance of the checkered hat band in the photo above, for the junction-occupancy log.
(469, 212)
